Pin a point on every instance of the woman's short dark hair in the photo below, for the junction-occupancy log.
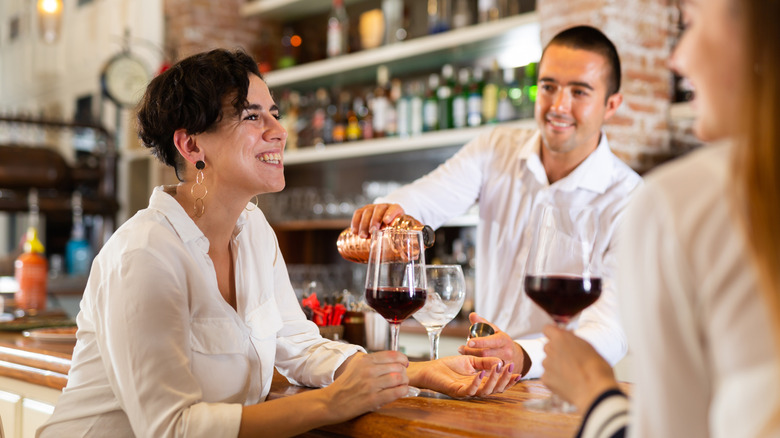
(190, 95)
(593, 40)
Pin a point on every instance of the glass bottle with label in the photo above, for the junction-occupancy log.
(505, 110)
(461, 15)
(490, 96)
(487, 10)
(416, 113)
(431, 105)
(403, 111)
(393, 12)
(460, 96)
(381, 102)
(444, 96)
(529, 85)
(474, 102)
(78, 252)
(338, 30)
(31, 268)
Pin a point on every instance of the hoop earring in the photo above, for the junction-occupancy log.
(198, 208)
(255, 201)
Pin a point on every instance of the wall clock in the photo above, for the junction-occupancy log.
(124, 79)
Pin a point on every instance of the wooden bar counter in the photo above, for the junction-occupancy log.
(431, 414)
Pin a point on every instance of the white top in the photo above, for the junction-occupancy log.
(160, 353)
(502, 170)
(704, 352)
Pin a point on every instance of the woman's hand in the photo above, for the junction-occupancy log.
(367, 382)
(463, 376)
(573, 369)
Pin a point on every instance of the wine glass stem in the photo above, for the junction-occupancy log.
(395, 329)
(434, 335)
(556, 402)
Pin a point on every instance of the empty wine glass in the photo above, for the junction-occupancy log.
(445, 294)
(395, 279)
(561, 275)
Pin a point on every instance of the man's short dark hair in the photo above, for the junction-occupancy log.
(593, 40)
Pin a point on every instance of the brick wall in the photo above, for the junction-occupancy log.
(641, 132)
(193, 26)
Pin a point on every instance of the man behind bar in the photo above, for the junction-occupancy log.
(511, 172)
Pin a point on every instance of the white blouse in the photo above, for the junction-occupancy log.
(160, 353)
(502, 170)
(705, 356)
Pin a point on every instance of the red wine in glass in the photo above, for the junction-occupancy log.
(562, 296)
(395, 304)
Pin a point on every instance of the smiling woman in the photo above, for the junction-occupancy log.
(200, 273)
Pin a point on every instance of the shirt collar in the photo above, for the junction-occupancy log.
(182, 223)
(593, 174)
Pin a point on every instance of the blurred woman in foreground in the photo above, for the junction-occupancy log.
(700, 254)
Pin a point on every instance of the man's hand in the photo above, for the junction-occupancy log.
(463, 376)
(499, 345)
(372, 217)
(573, 369)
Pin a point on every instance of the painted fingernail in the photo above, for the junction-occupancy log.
(498, 368)
(517, 379)
(482, 374)
(511, 368)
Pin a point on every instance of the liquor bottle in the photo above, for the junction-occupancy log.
(338, 30)
(353, 130)
(391, 129)
(514, 90)
(289, 109)
(30, 268)
(431, 105)
(78, 251)
(381, 103)
(393, 12)
(355, 248)
(529, 90)
(474, 103)
(461, 16)
(403, 112)
(487, 10)
(321, 124)
(366, 117)
(444, 97)
(438, 16)
(460, 97)
(340, 118)
(505, 110)
(416, 110)
(490, 96)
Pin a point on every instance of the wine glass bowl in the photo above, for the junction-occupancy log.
(562, 274)
(395, 278)
(445, 295)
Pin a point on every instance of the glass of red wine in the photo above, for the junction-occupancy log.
(561, 274)
(395, 281)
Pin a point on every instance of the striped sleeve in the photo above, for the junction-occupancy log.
(607, 417)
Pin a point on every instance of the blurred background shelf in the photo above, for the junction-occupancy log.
(392, 145)
(518, 32)
(287, 10)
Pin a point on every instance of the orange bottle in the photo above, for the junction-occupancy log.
(31, 269)
(355, 248)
